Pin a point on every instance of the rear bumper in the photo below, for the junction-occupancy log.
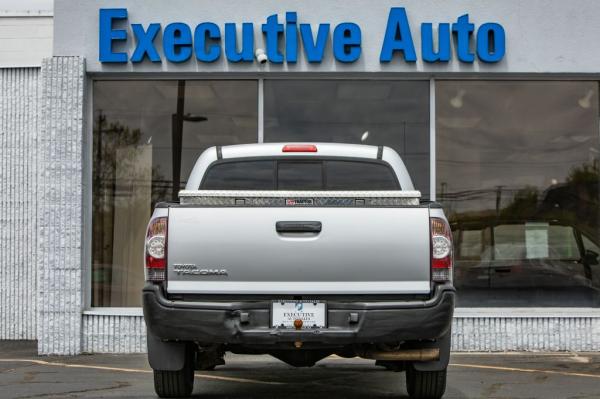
(248, 323)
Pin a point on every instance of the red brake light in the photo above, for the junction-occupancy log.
(299, 148)
(441, 250)
(156, 249)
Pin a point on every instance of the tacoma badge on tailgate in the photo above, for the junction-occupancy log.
(190, 268)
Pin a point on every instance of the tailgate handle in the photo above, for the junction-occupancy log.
(298, 227)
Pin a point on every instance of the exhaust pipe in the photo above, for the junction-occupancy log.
(415, 355)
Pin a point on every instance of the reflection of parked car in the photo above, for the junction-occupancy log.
(518, 258)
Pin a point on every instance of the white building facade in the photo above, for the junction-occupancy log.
(493, 106)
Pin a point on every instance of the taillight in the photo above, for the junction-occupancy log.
(156, 249)
(299, 148)
(441, 250)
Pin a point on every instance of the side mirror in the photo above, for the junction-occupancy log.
(590, 257)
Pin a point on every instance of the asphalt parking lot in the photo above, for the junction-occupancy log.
(561, 375)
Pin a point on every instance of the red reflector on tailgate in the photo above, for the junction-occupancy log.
(300, 148)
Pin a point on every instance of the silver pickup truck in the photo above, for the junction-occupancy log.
(299, 251)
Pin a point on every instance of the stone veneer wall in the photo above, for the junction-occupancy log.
(19, 133)
(59, 191)
(576, 333)
(113, 334)
(127, 334)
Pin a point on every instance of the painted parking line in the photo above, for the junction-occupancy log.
(252, 381)
(522, 370)
(130, 370)
(512, 369)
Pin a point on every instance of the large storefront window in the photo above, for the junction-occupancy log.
(147, 136)
(517, 169)
(376, 112)
(517, 173)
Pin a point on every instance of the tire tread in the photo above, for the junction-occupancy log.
(425, 384)
(175, 384)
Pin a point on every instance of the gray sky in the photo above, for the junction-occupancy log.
(21, 5)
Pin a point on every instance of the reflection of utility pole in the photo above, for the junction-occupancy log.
(498, 199)
(177, 138)
(177, 120)
(403, 138)
(101, 120)
(443, 190)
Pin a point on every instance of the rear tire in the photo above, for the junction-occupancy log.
(176, 384)
(425, 384)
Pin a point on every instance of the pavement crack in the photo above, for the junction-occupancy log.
(492, 390)
(118, 385)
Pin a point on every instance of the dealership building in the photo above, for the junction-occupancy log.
(493, 106)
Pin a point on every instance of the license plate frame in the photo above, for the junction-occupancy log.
(316, 321)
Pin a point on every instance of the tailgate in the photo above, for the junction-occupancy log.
(298, 249)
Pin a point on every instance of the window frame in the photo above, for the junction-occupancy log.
(432, 79)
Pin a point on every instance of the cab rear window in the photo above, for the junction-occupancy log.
(286, 174)
(344, 175)
(247, 175)
(299, 175)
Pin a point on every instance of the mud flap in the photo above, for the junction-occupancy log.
(438, 365)
(166, 356)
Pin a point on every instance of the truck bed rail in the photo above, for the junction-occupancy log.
(277, 198)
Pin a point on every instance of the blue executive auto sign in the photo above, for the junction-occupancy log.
(207, 41)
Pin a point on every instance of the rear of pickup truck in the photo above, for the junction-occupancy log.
(299, 251)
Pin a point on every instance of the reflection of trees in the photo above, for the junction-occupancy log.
(522, 206)
(575, 202)
(108, 138)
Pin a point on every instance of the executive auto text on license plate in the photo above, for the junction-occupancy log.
(285, 313)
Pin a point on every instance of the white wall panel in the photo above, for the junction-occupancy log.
(25, 40)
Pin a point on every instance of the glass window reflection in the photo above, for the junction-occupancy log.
(147, 136)
(517, 173)
(377, 112)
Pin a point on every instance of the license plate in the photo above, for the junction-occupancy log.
(285, 313)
